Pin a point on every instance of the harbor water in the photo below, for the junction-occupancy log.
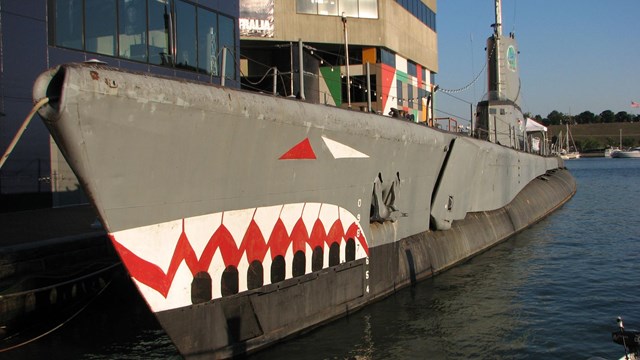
(550, 292)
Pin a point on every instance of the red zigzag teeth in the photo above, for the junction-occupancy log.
(253, 245)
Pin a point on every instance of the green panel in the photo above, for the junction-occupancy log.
(402, 76)
(334, 83)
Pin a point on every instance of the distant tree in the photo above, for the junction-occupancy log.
(586, 117)
(608, 116)
(589, 144)
(624, 116)
(555, 118)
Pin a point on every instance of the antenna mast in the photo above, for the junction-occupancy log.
(497, 30)
(498, 24)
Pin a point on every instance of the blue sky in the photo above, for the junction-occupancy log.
(575, 55)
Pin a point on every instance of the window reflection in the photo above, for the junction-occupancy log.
(368, 9)
(133, 29)
(307, 6)
(172, 33)
(100, 26)
(69, 23)
(207, 42)
(159, 23)
(227, 39)
(186, 55)
(349, 8)
(329, 7)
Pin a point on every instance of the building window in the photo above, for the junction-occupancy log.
(186, 42)
(306, 7)
(159, 28)
(207, 42)
(367, 9)
(68, 17)
(173, 33)
(132, 34)
(348, 8)
(227, 39)
(328, 8)
(100, 26)
(421, 11)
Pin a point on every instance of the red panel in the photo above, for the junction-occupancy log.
(388, 74)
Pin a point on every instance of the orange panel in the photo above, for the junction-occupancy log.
(369, 55)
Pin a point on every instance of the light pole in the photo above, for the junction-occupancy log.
(346, 47)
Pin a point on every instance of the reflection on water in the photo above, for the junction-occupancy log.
(551, 292)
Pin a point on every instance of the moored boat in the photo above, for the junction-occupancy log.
(624, 154)
(245, 218)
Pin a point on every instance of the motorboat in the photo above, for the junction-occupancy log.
(623, 154)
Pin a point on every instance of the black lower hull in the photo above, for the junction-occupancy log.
(254, 319)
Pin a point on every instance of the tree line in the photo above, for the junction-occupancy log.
(586, 117)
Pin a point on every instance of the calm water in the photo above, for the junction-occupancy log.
(551, 292)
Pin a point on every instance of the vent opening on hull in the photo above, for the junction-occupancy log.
(230, 282)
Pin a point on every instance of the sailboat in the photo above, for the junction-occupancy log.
(629, 153)
(566, 145)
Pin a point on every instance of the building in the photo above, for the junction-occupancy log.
(168, 37)
(187, 39)
(397, 38)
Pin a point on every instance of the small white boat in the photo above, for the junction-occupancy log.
(631, 153)
(610, 150)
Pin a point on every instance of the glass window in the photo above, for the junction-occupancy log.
(100, 26)
(328, 7)
(69, 23)
(133, 29)
(306, 6)
(186, 42)
(159, 25)
(207, 42)
(227, 35)
(349, 8)
(368, 9)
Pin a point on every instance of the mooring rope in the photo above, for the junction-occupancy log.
(59, 325)
(25, 123)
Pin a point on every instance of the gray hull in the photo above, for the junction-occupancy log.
(244, 218)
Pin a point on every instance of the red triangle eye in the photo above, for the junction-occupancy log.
(302, 150)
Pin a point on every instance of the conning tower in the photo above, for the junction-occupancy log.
(499, 116)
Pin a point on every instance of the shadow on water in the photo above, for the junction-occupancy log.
(117, 325)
